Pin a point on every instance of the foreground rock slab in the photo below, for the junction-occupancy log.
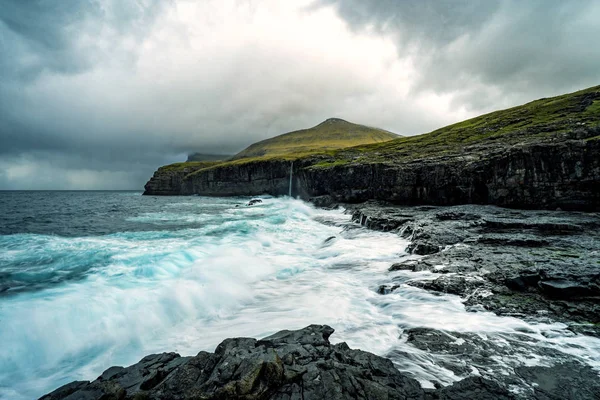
(300, 364)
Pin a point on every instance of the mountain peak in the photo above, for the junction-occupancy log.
(329, 121)
(331, 134)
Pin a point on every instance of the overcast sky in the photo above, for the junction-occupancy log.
(96, 94)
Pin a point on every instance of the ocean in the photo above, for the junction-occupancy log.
(89, 280)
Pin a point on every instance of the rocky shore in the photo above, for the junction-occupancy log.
(539, 266)
(300, 364)
(525, 263)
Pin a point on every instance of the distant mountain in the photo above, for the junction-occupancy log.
(331, 134)
(207, 157)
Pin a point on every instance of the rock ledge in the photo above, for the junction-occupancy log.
(290, 365)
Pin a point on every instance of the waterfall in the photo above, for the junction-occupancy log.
(291, 175)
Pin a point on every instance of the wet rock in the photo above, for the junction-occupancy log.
(564, 381)
(404, 266)
(254, 201)
(453, 284)
(513, 241)
(65, 391)
(474, 387)
(422, 248)
(384, 222)
(566, 289)
(287, 365)
(386, 289)
(456, 216)
(329, 239)
(323, 201)
(548, 227)
(523, 282)
(522, 262)
(498, 361)
(299, 364)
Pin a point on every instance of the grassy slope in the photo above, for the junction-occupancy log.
(207, 157)
(532, 121)
(536, 120)
(332, 134)
(190, 165)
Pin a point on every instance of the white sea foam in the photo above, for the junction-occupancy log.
(249, 271)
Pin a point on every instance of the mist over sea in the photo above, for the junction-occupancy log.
(94, 279)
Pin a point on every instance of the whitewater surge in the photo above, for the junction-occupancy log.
(73, 306)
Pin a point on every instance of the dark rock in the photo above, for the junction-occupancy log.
(165, 183)
(513, 241)
(523, 282)
(254, 201)
(548, 227)
(288, 365)
(66, 390)
(456, 216)
(473, 387)
(518, 262)
(563, 381)
(385, 222)
(385, 289)
(323, 201)
(460, 351)
(404, 266)
(542, 175)
(453, 284)
(565, 289)
(329, 239)
(422, 248)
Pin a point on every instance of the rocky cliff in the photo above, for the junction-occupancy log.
(552, 174)
(544, 174)
(544, 154)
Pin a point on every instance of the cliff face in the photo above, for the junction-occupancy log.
(165, 183)
(261, 177)
(169, 180)
(551, 174)
(542, 175)
(544, 154)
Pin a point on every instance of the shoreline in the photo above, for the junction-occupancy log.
(437, 235)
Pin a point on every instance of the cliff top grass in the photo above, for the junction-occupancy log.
(207, 157)
(331, 134)
(190, 165)
(534, 121)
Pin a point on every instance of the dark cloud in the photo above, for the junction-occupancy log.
(488, 52)
(426, 24)
(46, 35)
(98, 93)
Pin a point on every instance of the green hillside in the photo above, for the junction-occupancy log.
(188, 166)
(331, 134)
(337, 142)
(207, 157)
(535, 121)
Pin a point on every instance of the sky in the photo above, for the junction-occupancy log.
(96, 94)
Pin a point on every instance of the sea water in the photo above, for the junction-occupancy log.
(94, 279)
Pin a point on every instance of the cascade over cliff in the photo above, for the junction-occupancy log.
(544, 154)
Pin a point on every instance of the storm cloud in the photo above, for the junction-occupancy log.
(97, 94)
